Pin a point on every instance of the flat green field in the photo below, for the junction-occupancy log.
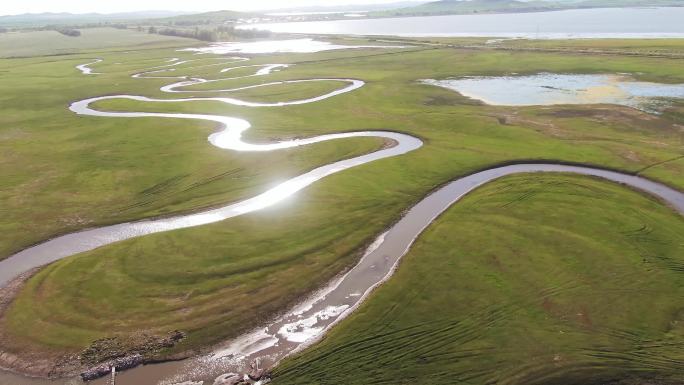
(655, 47)
(532, 279)
(84, 171)
(275, 93)
(63, 172)
(38, 43)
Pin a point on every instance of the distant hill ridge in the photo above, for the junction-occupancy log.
(208, 17)
(503, 6)
(28, 19)
(348, 8)
(403, 8)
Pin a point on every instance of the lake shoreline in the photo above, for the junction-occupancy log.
(586, 23)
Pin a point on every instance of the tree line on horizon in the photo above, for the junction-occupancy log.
(223, 32)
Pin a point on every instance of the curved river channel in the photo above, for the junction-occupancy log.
(307, 322)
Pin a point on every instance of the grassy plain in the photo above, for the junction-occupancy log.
(38, 43)
(277, 92)
(67, 172)
(532, 279)
(62, 172)
(650, 46)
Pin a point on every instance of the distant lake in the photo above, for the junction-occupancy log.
(585, 23)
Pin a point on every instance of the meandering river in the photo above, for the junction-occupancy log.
(308, 321)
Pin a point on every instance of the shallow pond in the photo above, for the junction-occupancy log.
(549, 89)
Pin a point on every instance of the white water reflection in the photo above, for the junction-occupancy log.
(549, 89)
(175, 63)
(85, 68)
(307, 322)
(228, 137)
(264, 69)
(305, 329)
(279, 46)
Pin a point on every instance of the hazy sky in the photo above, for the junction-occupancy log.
(9, 7)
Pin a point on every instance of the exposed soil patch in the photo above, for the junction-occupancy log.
(601, 111)
(146, 345)
(624, 116)
(544, 126)
(388, 143)
(44, 363)
(450, 100)
(124, 353)
(641, 381)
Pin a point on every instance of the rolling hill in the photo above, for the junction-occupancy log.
(62, 18)
(445, 7)
(215, 17)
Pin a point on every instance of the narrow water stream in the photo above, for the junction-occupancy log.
(308, 321)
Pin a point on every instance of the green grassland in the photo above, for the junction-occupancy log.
(673, 48)
(644, 45)
(35, 43)
(274, 93)
(67, 172)
(531, 279)
(83, 171)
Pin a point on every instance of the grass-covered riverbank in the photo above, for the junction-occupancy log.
(532, 279)
(215, 281)
(65, 172)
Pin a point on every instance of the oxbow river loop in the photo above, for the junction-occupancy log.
(307, 322)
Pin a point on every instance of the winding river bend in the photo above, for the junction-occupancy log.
(307, 322)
